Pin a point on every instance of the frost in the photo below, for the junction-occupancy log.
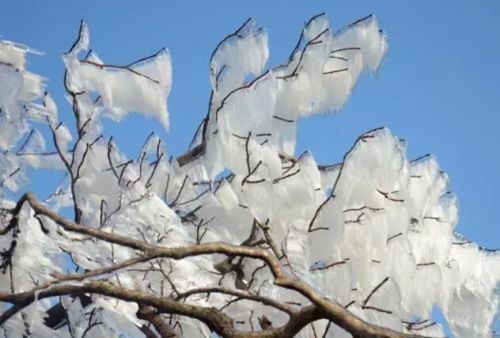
(142, 86)
(23, 87)
(374, 232)
(18, 91)
(240, 54)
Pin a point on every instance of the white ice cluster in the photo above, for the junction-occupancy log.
(374, 232)
(18, 89)
(142, 86)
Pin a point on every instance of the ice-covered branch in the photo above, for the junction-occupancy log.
(238, 236)
(334, 312)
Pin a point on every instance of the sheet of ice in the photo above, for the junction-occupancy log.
(142, 86)
(243, 53)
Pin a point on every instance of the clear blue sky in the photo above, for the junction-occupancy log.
(439, 87)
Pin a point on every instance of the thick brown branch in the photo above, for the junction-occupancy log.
(243, 294)
(149, 314)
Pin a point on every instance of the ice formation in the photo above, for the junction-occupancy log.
(374, 232)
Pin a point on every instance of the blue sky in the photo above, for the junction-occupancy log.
(439, 87)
